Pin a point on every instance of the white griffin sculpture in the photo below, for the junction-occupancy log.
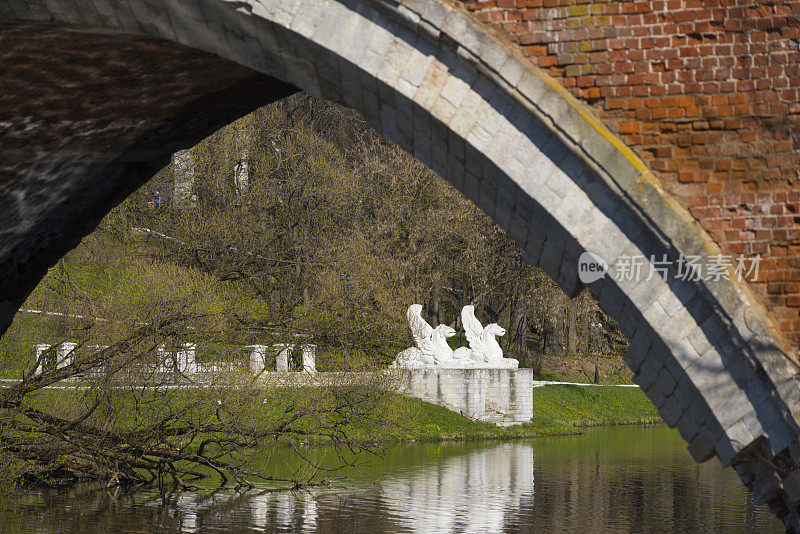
(432, 349)
(484, 350)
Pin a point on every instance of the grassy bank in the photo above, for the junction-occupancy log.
(169, 420)
(556, 409)
(589, 406)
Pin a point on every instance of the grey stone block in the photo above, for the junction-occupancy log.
(552, 254)
(655, 396)
(699, 410)
(687, 428)
(629, 320)
(670, 411)
(633, 359)
(518, 229)
(685, 353)
(735, 439)
(647, 374)
(698, 340)
(734, 408)
(512, 70)
(561, 185)
(609, 297)
(655, 314)
(701, 448)
(665, 383)
(685, 391)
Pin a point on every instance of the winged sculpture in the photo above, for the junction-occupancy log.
(484, 351)
(432, 349)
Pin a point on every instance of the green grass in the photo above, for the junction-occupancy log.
(547, 374)
(557, 410)
(578, 406)
(428, 422)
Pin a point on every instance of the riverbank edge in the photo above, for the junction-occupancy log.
(558, 410)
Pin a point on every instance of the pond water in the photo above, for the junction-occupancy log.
(618, 479)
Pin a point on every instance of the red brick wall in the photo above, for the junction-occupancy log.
(707, 92)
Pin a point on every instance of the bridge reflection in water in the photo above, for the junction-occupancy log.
(625, 479)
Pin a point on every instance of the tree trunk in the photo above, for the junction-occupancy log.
(554, 331)
(583, 327)
(435, 305)
(518, 327)
(572, 331)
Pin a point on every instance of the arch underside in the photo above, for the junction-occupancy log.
(425, 76)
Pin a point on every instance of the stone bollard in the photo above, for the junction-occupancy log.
(258, 357)
(282, 359)
(309, 358)
(97, 371)
(185, 358)
(165, 360)
(64, 353)
(40, 348)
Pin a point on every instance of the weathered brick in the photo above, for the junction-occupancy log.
(654, 63)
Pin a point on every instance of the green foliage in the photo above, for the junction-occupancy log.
(547, 374)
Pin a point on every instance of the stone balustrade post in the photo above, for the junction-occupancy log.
(40, 348)
(309, 358)
(282, 359)
(97, 371)
(64, 354)
(185, 357)
(258, 357)
(165, 364)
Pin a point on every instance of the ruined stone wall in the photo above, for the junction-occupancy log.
(707, 93)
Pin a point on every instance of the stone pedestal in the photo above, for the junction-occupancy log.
(309, 358)
(97, 371)
(500, 396)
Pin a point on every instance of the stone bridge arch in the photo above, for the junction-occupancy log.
(423, 74)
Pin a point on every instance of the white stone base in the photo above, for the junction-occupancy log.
(500, 396)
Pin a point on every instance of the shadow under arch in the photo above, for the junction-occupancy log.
(425, 76)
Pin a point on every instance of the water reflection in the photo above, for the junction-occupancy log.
(470, 493)
(609, 480)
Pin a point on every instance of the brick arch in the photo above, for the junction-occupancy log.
(538, 162)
